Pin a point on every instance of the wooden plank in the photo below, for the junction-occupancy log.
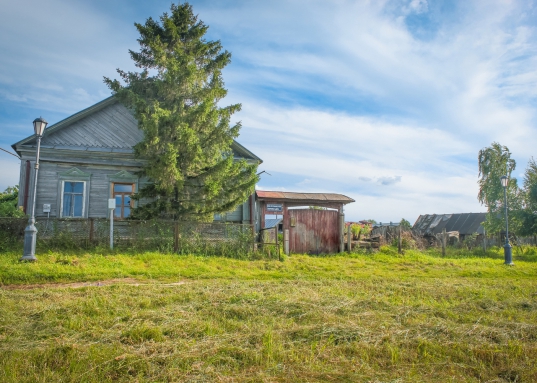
(314, 232)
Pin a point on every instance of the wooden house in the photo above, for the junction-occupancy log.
(88, 158)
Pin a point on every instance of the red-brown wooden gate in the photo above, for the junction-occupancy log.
(313, 231)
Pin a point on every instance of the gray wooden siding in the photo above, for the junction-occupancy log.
(97, 188)
(241, 214)
(111, 127)
(22, 182)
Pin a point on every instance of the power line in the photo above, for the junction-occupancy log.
(14, 155)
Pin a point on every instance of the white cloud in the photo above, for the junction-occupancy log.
(389, 180)
(418, 6)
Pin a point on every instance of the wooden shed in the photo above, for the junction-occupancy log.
(313, 223)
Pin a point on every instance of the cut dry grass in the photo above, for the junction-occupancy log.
(378, 318)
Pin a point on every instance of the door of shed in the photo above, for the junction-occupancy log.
(313, 231)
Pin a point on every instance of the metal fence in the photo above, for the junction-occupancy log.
(269, 242)
(228, 239)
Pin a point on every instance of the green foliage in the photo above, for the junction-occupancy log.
(405, 225)
(495, 161)
(355, 230)
(13, 228)
(528, 215)
(406, 243)
(470, 241)
(8, 203)
(187, 136)
(366, 230)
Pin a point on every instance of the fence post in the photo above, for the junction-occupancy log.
(175, 237)
(349, 239)
(341, 231)
(399, 243)
(484, 240)
(91, 229)
(111, 208)
(111, 229)
(254, 238)
(286, 241)
(277, 242)
(444, 235)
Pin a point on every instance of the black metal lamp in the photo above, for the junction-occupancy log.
(39, 126)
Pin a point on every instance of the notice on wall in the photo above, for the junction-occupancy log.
(274, 207)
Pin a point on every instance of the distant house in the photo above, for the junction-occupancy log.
(428, 225)
(88, 158)
(383, 228)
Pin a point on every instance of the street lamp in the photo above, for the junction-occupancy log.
(507, 247)
(30, 233)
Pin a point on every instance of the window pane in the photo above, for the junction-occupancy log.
(78, 205)
(118, 200)
(73, 187)
(122, 188)
(68, 187)
(78, 187)
(67, 205)
(117, 212)
(126, 200)
(126, 212)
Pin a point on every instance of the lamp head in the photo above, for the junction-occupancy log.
(39, 126)
(504, 181)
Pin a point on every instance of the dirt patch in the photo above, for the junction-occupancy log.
(77, 285)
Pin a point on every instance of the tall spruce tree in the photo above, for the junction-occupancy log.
(187, 136)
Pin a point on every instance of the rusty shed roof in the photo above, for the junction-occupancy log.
(464, 223)
(304, 197)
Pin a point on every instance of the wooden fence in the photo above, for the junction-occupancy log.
(180, 237)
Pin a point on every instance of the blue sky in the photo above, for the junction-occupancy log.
(387, 102)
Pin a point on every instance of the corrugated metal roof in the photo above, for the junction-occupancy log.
(272, 222)
(381, 224)
(105, 125)
(305, 197)
(464, 223)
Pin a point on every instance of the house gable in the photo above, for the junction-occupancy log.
(106, 126)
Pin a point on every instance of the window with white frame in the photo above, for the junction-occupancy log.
(73, 198)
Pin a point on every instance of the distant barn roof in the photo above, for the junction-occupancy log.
(306, 197)
(464, 223)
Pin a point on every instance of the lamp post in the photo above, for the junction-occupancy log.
(30, 233)
(508, 255)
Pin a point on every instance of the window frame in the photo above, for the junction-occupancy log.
(123, 194)
(62, 183)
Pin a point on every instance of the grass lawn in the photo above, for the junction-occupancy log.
(363, 318)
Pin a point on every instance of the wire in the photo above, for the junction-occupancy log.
(14, 155)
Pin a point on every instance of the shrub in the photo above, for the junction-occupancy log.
(8, 203)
